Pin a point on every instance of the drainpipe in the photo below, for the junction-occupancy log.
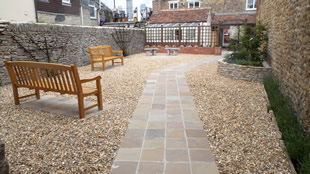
(36, 12)
(82, 20)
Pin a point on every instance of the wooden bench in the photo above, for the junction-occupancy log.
(52, 77)
(149, 50)
(102, 54)
(175, 51)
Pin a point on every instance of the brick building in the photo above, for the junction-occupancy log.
(226, 15)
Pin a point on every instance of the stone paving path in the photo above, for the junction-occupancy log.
(165, 135)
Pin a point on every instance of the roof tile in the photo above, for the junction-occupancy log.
(181, 16)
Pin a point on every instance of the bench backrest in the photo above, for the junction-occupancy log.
(44, 76)
(96, 51)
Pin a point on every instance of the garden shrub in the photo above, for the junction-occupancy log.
(248, 50)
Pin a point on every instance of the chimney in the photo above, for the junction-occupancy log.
(156, 6)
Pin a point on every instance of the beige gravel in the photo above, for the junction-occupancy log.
(244, 138)
(41, 142)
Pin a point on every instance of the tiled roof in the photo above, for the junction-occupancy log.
(233, 18)
(180, 16)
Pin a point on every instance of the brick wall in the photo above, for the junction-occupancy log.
(288, 24)
(156, 6)
(73, 39)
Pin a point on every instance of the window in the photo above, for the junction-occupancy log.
(66, 1)
(194, 4)
(92, 11)
(169, 35)
(190, 34)
(173, 4)
(178, 34)
(44, 1)
(251, 4)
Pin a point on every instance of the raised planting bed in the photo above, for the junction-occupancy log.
(242, 72)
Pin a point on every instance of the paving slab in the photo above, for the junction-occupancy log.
(172, 139)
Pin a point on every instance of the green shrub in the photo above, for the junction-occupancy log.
(248, 63)
(126, 52)
(248, 49)
(297, 144)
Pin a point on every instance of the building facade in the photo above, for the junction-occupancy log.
(218, 6)
(71, 12)
(16, 10)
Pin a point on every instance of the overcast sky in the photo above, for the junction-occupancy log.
(136, 3)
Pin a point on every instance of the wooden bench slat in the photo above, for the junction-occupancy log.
(64, 81)
(68, 81)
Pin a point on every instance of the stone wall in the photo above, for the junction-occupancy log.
(288, 24)
(241, 72)
(44, 17)
(68, 43)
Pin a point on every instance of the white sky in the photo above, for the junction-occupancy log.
(122, 3)
(135, 3)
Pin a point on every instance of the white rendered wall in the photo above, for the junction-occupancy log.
(17, 10)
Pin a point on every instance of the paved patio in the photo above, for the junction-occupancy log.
(165, 134)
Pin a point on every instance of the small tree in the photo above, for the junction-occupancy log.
(247, 51)
(122, 37)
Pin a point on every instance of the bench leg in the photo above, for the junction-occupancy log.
(92, 66)
(175, 52)
(113, 62)
(81, 106)
(15, 93)
(148, 52)
(122, 60)
(37, 93)
(103, 67)
(168, 52)
(154, 52)
(99, 99)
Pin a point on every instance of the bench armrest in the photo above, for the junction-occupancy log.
(120, 51)
(89, 80)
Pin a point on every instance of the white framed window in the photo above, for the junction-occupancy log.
(92, 11)
(251, 4)
(194, 4)
(173, 4)
(66, 1)
(44, 1)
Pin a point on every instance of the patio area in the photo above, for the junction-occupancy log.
(224, 122)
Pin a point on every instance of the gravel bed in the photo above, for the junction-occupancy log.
(42, 142)
(243, 137)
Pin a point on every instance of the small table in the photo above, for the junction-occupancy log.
(175, 51)
(149, 50)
